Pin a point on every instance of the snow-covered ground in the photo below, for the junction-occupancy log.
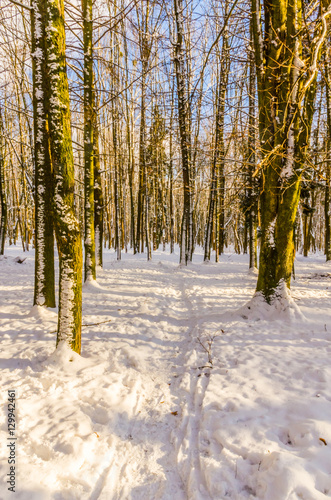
(182, 391)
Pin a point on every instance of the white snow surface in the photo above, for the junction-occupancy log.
(186, 389)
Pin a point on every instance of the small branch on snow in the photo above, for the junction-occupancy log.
(208, 349)
(90, 324)
(96, 324)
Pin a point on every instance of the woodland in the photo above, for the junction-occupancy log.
(165, 249)
(146, 123)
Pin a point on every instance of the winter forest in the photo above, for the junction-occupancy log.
(165, 249)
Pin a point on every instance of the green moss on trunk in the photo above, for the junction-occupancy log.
(286, 90)
(66, 225)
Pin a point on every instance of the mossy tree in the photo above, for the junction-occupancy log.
(286, 56)
(49, 35)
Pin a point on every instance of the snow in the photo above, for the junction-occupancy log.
(270, 233)
(67, 316)
(187, 388)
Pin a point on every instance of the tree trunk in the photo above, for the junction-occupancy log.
(89, 238)
(217, 194)
(171, 174)
(286, 91)
(327, 196)
(49, 25)
(142, 164)
(44, 283)
(118, 227)
(129, 128)
(98, 195)
(186, 247)
(3, 200)
(252, 165)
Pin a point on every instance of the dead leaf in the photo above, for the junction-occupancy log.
(174, 413)
(323, 441)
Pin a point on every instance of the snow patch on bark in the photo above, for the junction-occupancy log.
(67, 304)
(270, 233)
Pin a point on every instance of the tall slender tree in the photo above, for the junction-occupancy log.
(98, 193)
(89, 240)
(252, 184)
(186, 246)
(327, 201)
(217, 188)
(3, 201)
(44, 286)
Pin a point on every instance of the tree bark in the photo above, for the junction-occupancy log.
(217, 189)
(44, 280)
(89, 238)
(49, 24)
(252, 215)
(3, 200)
(286, 90)
(186, 247)
(327, 196)
(98, 194)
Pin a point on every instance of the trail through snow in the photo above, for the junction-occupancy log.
(183, 391)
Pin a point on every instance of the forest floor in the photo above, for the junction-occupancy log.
(182, 392)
